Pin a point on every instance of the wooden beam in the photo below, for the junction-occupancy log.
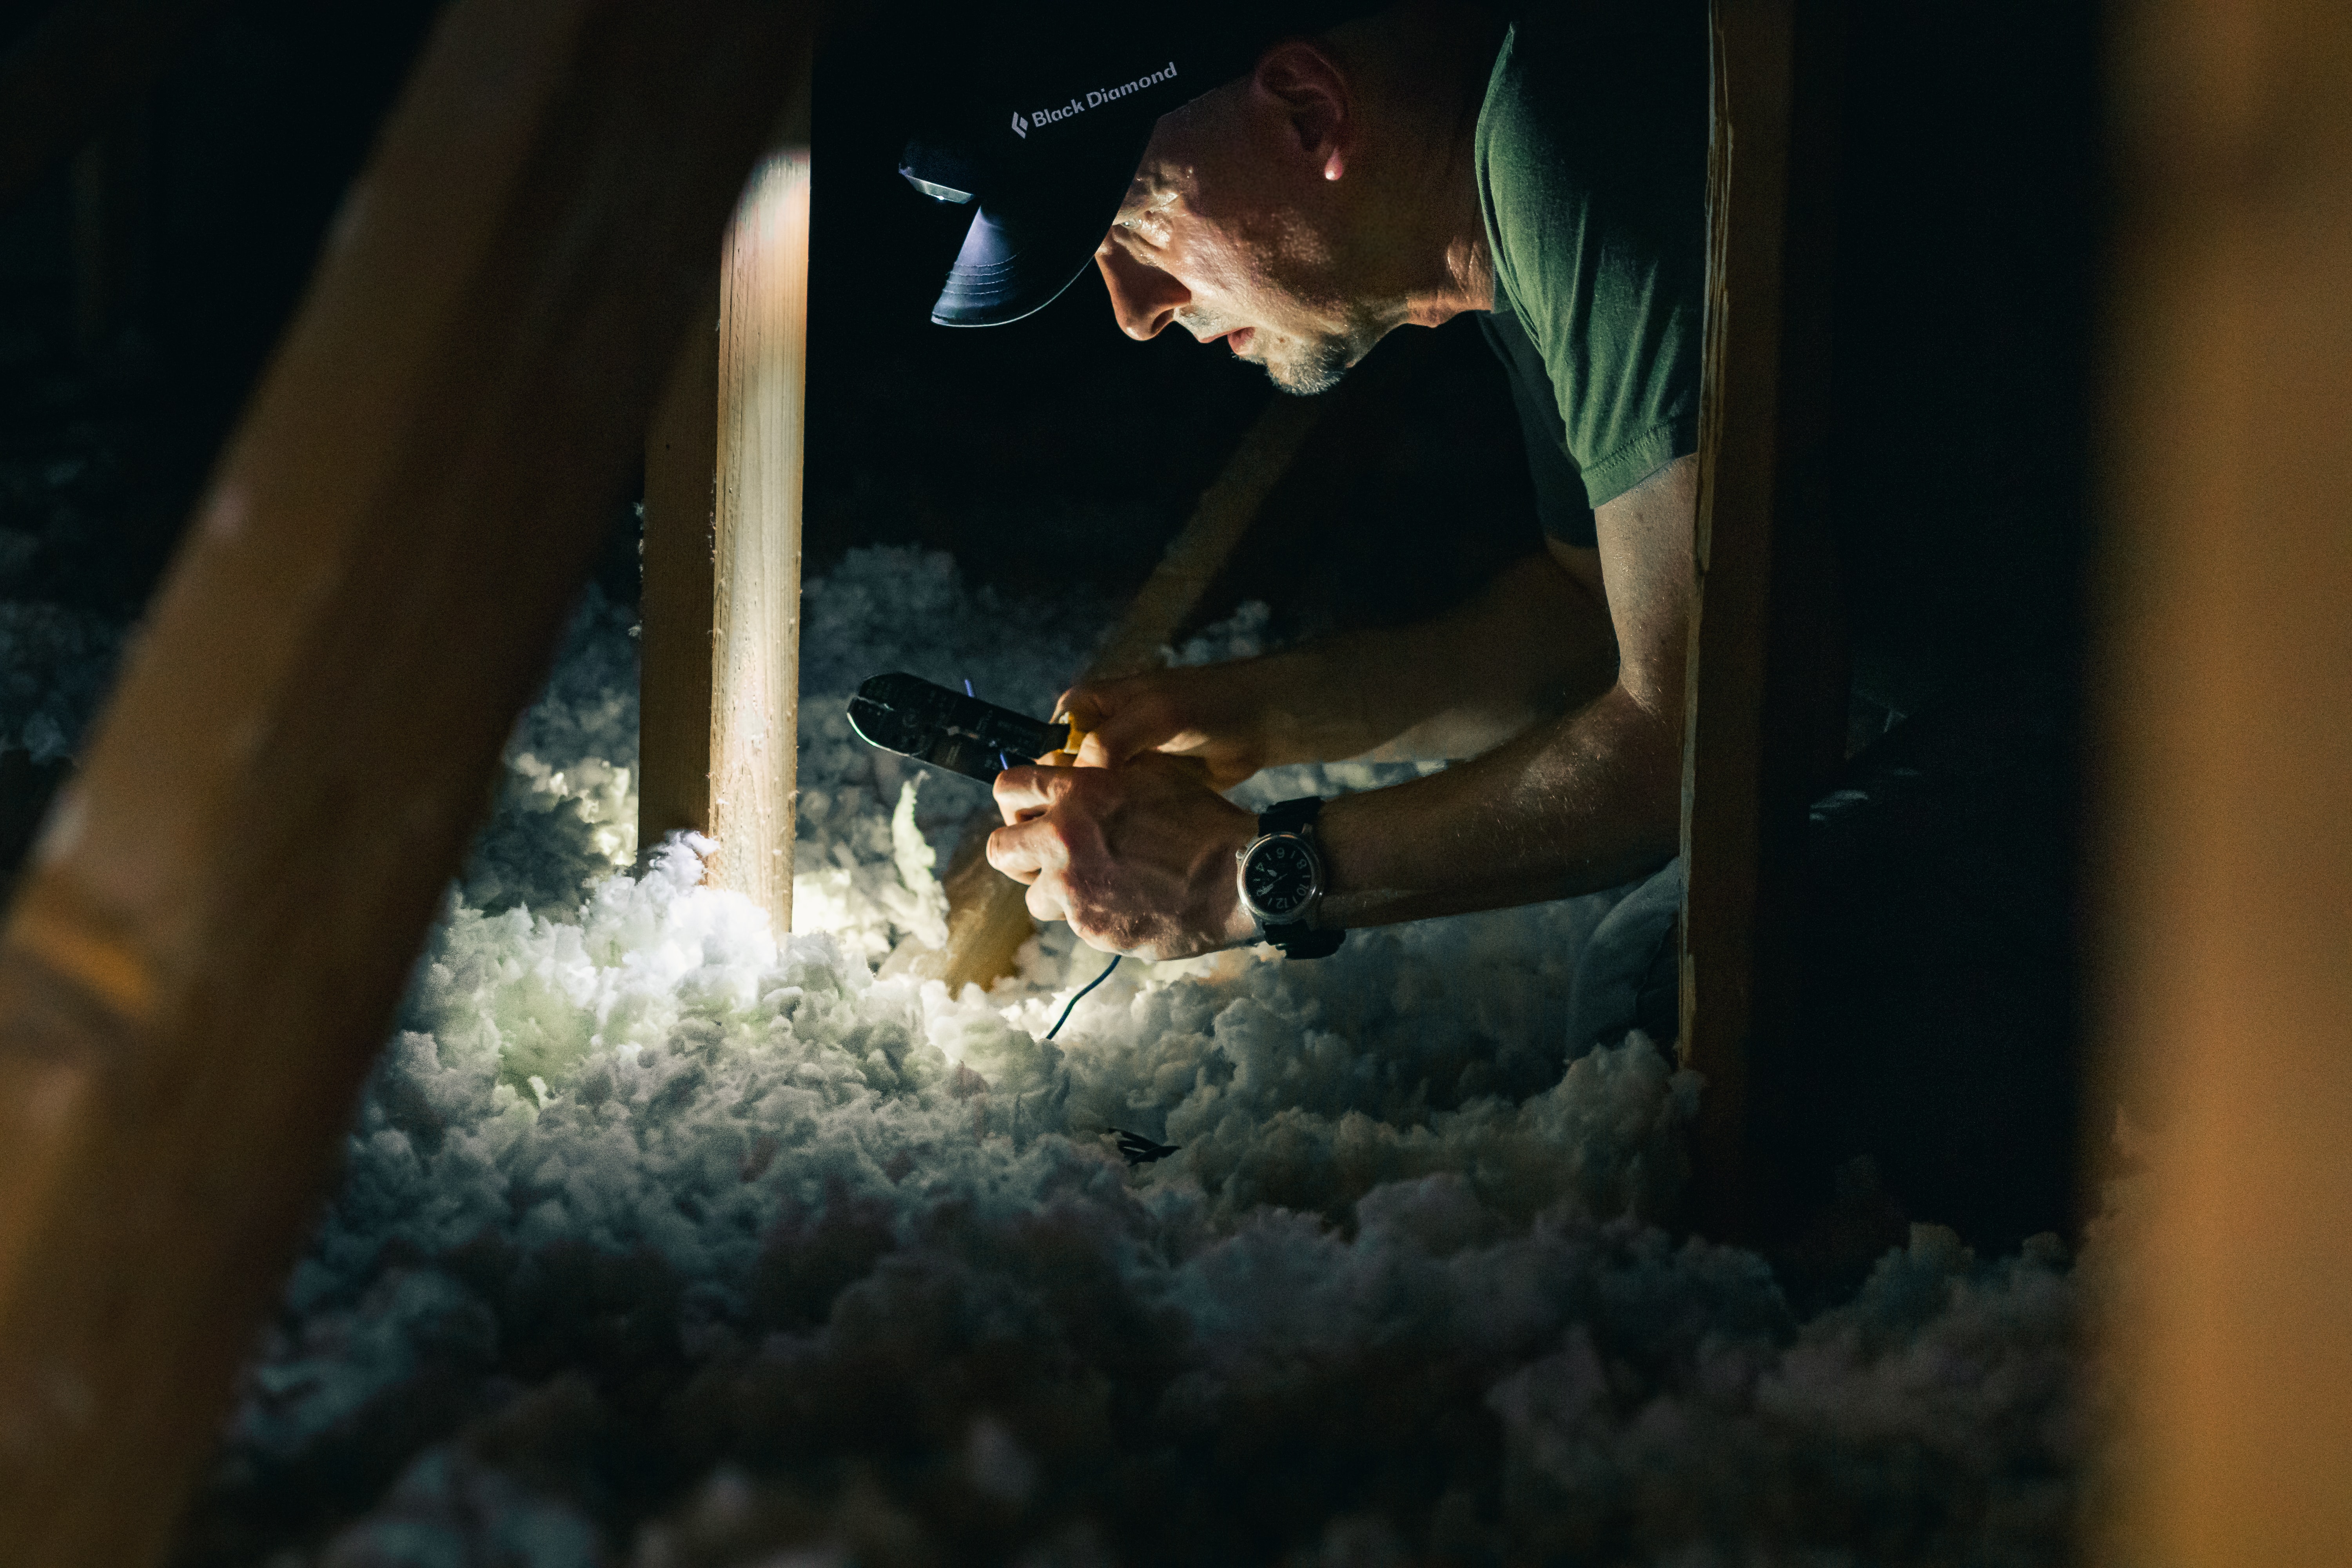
(203, 959)
(675, 607)
(79, 65)
(763, 414)
(1766, 705)
(987, 918)
(2223, 756)
(746, 462)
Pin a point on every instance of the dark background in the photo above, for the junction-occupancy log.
(143, 285)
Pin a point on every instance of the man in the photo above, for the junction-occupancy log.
(1544, 171)
(1297, 188)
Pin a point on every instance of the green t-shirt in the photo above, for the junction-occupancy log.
(1591, 168)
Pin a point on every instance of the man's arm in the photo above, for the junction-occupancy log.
(1139, 858)
(1536, 643)
(1580, 803)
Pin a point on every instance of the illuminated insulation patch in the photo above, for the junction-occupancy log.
(668, 1242)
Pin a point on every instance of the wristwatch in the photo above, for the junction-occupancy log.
(1282, 879)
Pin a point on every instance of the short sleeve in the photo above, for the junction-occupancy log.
(1592, 165)
(1560, 487)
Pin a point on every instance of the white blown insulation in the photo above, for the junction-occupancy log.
(668, 1240)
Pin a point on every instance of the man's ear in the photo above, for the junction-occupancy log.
(1300, 81)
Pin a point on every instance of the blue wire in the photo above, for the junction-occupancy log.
(1000, 756)
(1082, 996)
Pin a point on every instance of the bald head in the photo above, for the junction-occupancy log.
(1300, 212)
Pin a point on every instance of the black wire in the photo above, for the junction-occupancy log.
(1082, 996)
(1114, 957)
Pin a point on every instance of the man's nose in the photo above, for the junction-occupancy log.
(1144, 299)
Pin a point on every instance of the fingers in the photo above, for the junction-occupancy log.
(1120, 718)
(1025, 850)
(1084, 709)
(1081, 704)
(1198, 769)
(1118, 852)
(1044, 906)
(1144, 724)
(1026, 792)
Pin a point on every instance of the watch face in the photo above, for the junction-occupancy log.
(1280, 878)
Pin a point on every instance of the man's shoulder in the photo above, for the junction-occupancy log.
(1595, 114)
(1591, 170)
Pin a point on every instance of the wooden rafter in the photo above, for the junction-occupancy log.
(2223, 756)
(1766, 700)
(202, 959)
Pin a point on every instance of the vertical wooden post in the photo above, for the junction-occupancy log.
(763, 407)
(675, 602)
(2223, 702)
(202, 959)
(1766, 705)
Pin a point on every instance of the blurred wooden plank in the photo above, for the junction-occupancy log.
(78, 67)
(987, 918)
(762, 419)
(1765, 717)
(2224, 758)
(202, 958)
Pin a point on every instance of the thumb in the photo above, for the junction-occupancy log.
(1118, 719)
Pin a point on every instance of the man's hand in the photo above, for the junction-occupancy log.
(1138, 859)
(1137, 853)
(1536, 644)
(1215, 714)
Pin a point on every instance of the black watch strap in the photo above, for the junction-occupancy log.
(1305, 940)
(1291, 816)
(1297, 939)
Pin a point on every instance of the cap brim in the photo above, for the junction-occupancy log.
(1016, 261)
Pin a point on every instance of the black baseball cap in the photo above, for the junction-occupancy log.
(1039, 124)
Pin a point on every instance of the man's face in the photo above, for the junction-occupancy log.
(1211, 240)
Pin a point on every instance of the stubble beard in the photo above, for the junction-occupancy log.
(1316, 368)
(1307, 363)
(1303, 359)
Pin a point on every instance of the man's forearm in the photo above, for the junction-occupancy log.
(1534, 643)
(1577, 804)
(1138, 854)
